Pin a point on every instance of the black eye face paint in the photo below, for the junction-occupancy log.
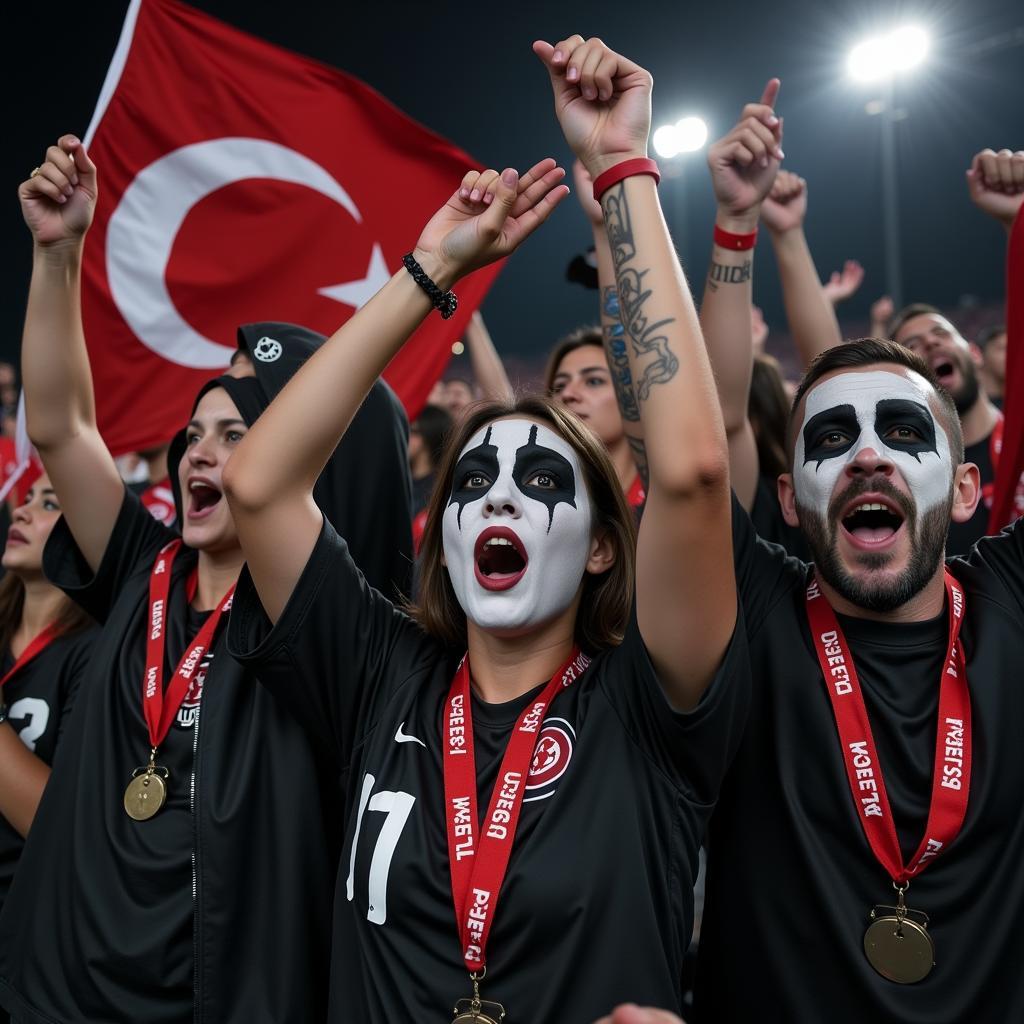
(533, 459)
(839, 419)
(893, 413)
(482, 459)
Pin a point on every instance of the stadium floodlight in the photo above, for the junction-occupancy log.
(691, 133)
(687, 135)
(885, 55)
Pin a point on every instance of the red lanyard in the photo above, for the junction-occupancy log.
(159, 707)
(478, 866)
(951, 779)
(38, 645)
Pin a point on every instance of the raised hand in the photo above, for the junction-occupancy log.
(843, 283)
(785, 206)
(744, 163)
(758, 328)
(59, 198)
(602, 101)
(489, 216)
(882, 310)
(585, 194)
(995, 182)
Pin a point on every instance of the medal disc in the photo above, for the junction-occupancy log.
(900, 951)
(469, 1017)
(144, 796)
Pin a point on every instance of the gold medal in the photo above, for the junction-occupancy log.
(147, 791)
(471, 1011)
(899, 947)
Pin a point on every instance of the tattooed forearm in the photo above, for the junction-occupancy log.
(721, 273)
(654, 361)
(617, 356)
(639, 451)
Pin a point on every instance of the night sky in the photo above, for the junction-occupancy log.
(467, 72)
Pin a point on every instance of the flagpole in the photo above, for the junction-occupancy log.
(124, 44)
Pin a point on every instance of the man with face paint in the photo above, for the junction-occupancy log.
(530, 756)
(868, 833)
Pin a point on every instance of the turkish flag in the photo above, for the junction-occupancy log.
(240, 182)
(1009, 489)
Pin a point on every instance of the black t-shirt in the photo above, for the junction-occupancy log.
(39, 699)
(791, 878)
(766, 515)
(597, 904)
(216, 909)
(963, 535)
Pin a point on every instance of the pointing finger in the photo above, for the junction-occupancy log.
(771, 92)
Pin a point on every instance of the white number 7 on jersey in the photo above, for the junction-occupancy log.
(397, 807)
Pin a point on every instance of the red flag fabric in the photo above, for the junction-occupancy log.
(1006, 503)
(240, 182)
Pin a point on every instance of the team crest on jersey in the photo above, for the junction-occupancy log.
(189, 710)
(550, 759)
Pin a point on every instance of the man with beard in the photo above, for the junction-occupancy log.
(864, 855)
(925, 331)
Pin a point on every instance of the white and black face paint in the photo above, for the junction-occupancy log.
(516, 532)
(886, 412)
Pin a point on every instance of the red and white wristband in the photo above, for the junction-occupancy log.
(627, 169)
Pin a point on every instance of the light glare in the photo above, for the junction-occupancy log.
(881, 56)
(666, 141)
(691, 134)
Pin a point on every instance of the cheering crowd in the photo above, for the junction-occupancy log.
(371, 722)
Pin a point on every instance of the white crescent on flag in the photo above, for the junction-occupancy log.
(143, 227)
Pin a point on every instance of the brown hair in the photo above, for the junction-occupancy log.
(588, 335)
(768, 412)
(864, 352)
(908, 313)
(70, 619)
(607, 597)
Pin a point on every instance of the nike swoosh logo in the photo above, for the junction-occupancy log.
(401, 737)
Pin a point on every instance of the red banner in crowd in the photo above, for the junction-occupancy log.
(240, 182)
(1011, 459)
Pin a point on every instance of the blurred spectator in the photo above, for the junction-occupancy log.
(426, 442)
(992, 372)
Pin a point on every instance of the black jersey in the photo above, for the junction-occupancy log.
(39, 699)
(597, 904)
(963, 535)
(791, 878)
(215, 910)
(766, 515)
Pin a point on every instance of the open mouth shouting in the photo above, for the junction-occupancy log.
(871, 522)
(500, 559)
(945, 371)
(204, 497)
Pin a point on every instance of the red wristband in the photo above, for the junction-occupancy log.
(638, 165)
(737, 243)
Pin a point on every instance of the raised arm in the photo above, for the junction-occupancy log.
(58, 203)
(743, 166)
(686, 599)
(613, 334)
(812, 318)
(488, 369)
(269, 478)
(995, 183)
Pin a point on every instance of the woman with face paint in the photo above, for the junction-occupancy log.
(530, 755)
(186, 820)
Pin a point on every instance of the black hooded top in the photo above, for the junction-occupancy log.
(217, 909)
(365, 489)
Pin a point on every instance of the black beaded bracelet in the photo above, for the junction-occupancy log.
(444, 302)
